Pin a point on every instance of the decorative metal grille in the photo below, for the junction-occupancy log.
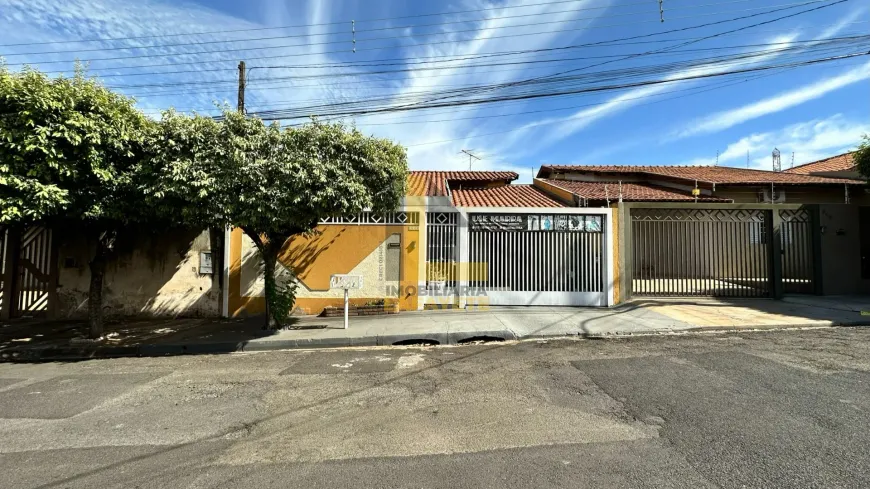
(797, 215)
(372, 218)
(698, 215)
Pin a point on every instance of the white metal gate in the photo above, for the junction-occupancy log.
(538, 259)
(34, 272)
(441, 248)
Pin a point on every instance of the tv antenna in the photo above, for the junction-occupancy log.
(471, 157)
(777, 161)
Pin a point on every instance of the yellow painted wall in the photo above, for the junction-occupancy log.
(332, 249)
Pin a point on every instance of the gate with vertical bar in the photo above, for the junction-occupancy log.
(32, 286)
(538, 259)
(719, 250)
(797, 251)
(700, 252)
(441, 260)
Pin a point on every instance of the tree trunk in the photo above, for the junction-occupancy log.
(269, 249)
(105, 245)
(270, 261)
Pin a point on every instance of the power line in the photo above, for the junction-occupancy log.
(509, 131)
(359, 31)
(712, 36)
(118, 58)
(279, 115)
(653, 68)
(552, 76)
(233, 60)
(369, 86)
(702, 38)
(274, 84)
(299, 26)
(465, 66)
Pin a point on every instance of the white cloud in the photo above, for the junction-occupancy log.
(46, 20)
(809, 141)
(461, 134)
(568, 125)
(729, 118)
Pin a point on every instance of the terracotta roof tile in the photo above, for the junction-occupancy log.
(434, 183)
(841, 162)
(506, 196)
(631, 192)
(703, 174)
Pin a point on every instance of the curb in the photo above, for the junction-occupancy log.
(80, 353)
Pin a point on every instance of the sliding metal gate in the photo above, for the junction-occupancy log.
(525, 259)
(700, 252)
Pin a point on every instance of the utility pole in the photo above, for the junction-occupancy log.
(470, 156)
(242, 83)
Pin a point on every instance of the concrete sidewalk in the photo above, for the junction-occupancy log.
(638, 317)
(450, 327)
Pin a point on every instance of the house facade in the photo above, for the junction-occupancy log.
(577, 235)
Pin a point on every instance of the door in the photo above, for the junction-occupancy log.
(864, 230)
(797, 252)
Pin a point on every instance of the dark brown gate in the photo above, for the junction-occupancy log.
(797, 251)
(700, 252)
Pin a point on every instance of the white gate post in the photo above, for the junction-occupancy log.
(345, 308)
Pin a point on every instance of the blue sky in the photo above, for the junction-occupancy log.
(813, 111)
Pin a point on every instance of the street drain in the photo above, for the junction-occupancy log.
(417, 342)
(480, 340)
(302, 328)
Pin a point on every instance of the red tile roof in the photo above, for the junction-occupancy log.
(703, 174)
(434, 183)
(631, 192)
(506, 196)
(841, 162)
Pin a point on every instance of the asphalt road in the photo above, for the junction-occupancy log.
(772, 409)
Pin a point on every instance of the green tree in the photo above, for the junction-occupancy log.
(272, 183)
(862, 156)
(69, 150)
